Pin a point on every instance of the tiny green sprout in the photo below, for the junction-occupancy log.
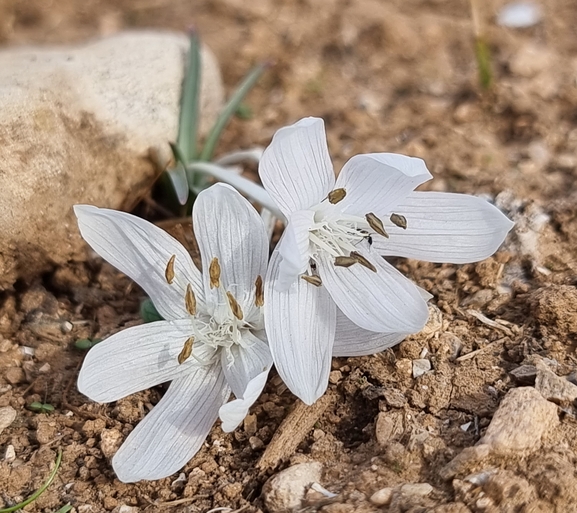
(40, 490)
(84, 344)
(148, 311)
(64, 509)
(39, 407)
(243, 111)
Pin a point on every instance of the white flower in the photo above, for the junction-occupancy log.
(327, 272)
(212, 340)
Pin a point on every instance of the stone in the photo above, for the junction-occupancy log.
(250, 424)
(381, 497)
(46, 431)
(420, 489)
(519, 423)
(78, 126)
(255, 443)
(286, 490)
(389, 427)
(525, 374)
(110, 441)
(7, 416)
(421, 366)
(554, 388)
(531, 60)
(123, 508)
(10, 454)
(467, 458)
(14, 375)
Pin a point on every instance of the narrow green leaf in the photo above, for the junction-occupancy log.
(483, 55)
(84, 344)
(189, 105)
(40, 490)
(148, 311)
(64, 509)
(229, 110)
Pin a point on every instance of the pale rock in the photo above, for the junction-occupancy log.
(381, 497)
(519, 423)
(421, 366)
(531, 60)
(519, 15)
(255, 443)
(420, 489)
(78, 125)
(287, 489)
(469, 457)
(110, 441)
(7, 416)
(10, 454)
(554, 388)
(389, 427)
(124, 508)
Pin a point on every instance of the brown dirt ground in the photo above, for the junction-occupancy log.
(394, 76)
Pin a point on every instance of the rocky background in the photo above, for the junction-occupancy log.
(474, 414)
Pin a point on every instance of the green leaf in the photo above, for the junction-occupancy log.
(40, 490)
(483, 55)
(189, 105)
(229, 110)
(148, 311)
(64, 509)
(39, 407)
(84, 344)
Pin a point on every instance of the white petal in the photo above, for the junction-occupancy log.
(229, 228)
(300, 325)
(136, 359)
(234, 412)
(142, 251)
(294, 247)
(445, 227)
(245, 363)
(296, 168)
(377, 182)
(383, 301)
(173, 432)
(350, 340)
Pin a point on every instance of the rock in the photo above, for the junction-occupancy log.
(522, 418)
(46, 431)
(525, 374)
(389, 427)
(10, 454)
(287, 489)
(250, 424)
(77, 126)
(420, 367)
(110, 441)
(468, 457)
(381, 497)
(7, 416)
(420, 489)
(553, 388)
(554, 307)
(14, 375)
(531, 60)
(255, 443)
(123, 508)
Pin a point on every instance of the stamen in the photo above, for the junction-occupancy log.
(313, 279)
(186, 350)
(399, 220)
(169, 272)
(214, 273)
(345, 261)
(376, 224)
(337, 195)
(259, 295)
(363, 261)
(234, 306)
(190, 300)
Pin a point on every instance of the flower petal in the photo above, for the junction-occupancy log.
(173, 432)
(242, 364)
(383, 301)
(445, 227)
(377, 182)
(137, 358)
(300, 325)
(142, 251)
(296, 168)
(350, 340)
(294, 247)
(234, 412)
(229, 228)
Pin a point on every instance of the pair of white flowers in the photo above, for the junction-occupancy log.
(326, 291)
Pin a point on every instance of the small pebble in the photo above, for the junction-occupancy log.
(382, 497)
(335, 376)
(420, 367)
(10, 454)
(250, 424)
(420, 489)
(255, 443)
(7, 416)
(286, 490)
(14, 375)
(110, 440)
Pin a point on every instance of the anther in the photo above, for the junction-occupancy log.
(345, 261)
(312, 279)
(363, 261)
(337, 195)
(234, 306)
(214, 273)
(169, 271)
(376, 224)
(399, 220)
(186, 351)
(259, 295)
(190, 300)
